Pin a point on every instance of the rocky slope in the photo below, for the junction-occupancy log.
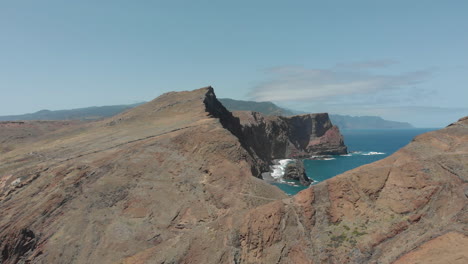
(19, 132)
(411, 207)
(160, 183)
(171, 181)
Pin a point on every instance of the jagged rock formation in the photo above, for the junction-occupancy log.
(171, 181)
(409, 208)
(295, 171)
(277, 137)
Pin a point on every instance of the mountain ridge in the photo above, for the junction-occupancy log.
(266, 108)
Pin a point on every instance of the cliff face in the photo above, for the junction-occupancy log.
(314, 134)
(278, 137)
(411, 207)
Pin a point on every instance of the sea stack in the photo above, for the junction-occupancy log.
(295, 171)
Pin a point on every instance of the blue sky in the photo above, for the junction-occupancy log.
(402, 60)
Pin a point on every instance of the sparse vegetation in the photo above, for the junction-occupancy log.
(343, 235)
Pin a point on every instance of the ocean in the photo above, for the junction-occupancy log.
(365, 146)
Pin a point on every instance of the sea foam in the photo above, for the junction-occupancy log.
(373, 153)
(321, 157)
(278, 169)
(363, 153)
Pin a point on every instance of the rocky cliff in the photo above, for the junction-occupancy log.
(278, 137)
(171, 181)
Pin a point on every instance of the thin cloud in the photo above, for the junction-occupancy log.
(294, 83)
(373, 64)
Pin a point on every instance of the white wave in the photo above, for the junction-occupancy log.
(284, 162)
(364, 153)
(346, 155)
(373, 153)
(279, 169)
(317, 156)
(322, 157)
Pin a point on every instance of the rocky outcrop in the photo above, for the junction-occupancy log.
(21, 244)
(295, 171)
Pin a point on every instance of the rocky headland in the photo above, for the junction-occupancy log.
(276, 137)
(176, 180)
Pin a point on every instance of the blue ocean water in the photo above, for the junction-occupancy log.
(365, 146)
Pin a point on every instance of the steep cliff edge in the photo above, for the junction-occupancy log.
(411, 207)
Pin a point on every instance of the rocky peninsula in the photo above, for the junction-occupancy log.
(176, 180)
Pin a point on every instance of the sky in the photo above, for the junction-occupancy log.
(401, 60)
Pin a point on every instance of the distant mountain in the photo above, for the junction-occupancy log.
(266, 108)
(366, 122)
(88, 113)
